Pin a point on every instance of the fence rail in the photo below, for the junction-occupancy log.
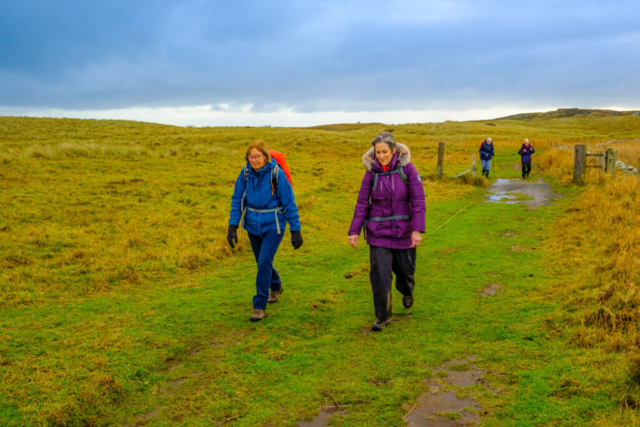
(607, 159)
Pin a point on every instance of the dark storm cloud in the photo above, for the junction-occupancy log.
(320, 55)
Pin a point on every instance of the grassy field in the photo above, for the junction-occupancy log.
(121, 302)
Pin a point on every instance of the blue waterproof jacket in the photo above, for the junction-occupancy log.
(259, 196)
(486, 150)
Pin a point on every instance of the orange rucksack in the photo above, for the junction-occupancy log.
(282, 162)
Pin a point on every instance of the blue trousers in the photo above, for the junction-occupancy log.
(486, 164)
(264, 250)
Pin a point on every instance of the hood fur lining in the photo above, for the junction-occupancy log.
(404, 156)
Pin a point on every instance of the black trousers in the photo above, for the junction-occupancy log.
(526, 169)
(384, 262)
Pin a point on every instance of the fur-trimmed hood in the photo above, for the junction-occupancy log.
(404, 156)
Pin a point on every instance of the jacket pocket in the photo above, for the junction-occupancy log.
(404, 227)
(379, 228)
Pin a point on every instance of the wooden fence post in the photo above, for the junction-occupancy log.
(604, 160)
(614, 162)
(440, 158)
(628, 165)
(579, 163)
(473, 165)
(610, 164)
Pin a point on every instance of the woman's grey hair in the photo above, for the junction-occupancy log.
(384, 137)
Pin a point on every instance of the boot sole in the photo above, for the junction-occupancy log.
(407, 306)
(253, 319)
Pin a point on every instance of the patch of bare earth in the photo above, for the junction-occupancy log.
(321, 420)
(490, 290)
(517, 248)
(441, 406)
(176, 383)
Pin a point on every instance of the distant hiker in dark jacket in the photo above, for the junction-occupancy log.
(486, 154)
(391, 207)
(267, 208)
(526, 151)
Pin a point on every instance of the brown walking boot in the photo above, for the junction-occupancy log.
(258, 315)
(273, 295)
(379, 325)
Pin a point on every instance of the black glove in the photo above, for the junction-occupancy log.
(296, 239)
(232, 235)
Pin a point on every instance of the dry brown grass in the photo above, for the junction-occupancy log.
(596, 253)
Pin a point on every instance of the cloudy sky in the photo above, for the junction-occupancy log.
(308, 62)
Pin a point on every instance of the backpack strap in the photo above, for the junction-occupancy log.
(403, 176)
(243, 200)
(275, 172)
(399, 171)
(375, 178)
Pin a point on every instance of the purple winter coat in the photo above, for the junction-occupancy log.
(526, 151)
(392, 197)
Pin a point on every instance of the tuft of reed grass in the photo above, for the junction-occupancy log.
(599, 237)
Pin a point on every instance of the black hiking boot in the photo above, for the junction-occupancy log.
(407, 301)
(274, 295)
(379, 325)
(258, 315)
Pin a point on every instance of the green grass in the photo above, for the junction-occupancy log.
(122, 304)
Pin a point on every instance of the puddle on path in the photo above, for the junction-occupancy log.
(520, 192)
(441, 406)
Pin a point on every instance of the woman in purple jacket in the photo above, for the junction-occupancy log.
(525, 152)
(391, 208)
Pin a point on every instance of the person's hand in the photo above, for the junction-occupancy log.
(416, 239)
(353, 240)
(296, 239)
(232, 235)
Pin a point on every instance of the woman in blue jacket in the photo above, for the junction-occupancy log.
(486, 154)
(265, 196)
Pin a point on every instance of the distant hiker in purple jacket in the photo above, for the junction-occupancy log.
(391, 208)
(525, 152)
